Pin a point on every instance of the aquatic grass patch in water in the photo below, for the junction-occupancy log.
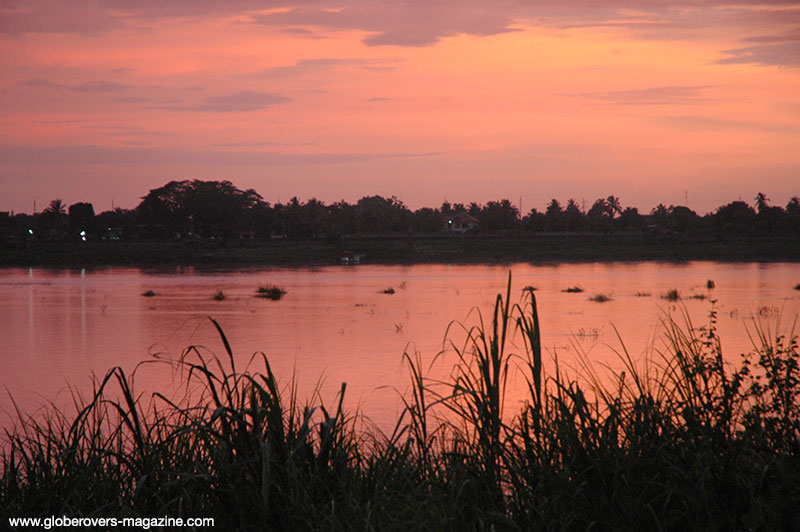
(573, 290)
(671, 295)
(600, 298)
(219, 296)
(389, 290)
(148, 293)
(271, 292)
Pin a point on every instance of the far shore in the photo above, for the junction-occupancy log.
(408, 249)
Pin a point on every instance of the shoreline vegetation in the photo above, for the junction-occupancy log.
(195, 221)
(679, 441)
(409, 249)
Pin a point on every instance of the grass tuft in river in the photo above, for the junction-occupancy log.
(270, 292)
(671, 295)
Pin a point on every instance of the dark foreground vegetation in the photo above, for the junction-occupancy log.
(682, 442)
(195, 221)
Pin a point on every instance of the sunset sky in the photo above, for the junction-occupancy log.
(652, 101)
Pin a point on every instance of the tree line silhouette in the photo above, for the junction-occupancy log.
(195, 209)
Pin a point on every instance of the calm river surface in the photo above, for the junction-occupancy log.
(336, 325)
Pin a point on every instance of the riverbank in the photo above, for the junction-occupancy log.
(410, 249)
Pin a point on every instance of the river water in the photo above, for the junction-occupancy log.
(336, 324)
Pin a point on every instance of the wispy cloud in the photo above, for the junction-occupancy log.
(791, 36)
(303, 32)
(706, 123)
(48, 16)
(401, 24)
(40, 82)
(100, 86)
(325, 64)
(262, 144)
(231, 103)
(98, 155)
(88, 86)
(780, 50)
(62, 122)
(411, 23)
(127, 131)
(675, 95)
(137, 99)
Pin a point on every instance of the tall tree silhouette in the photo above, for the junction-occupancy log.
(599, 215)
(613, 205)
(761, 201)
(57, 207)
(575, 219)
(554, 216)
(206, 208)
(81, 217)
(736, 217)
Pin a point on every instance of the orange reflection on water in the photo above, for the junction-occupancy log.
(337, 325)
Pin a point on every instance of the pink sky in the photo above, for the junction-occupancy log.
(464, 100)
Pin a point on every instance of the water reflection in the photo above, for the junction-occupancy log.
(31, 328)
(83, 311)
(337, 324)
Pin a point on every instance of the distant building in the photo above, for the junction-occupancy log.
(113, 234)
(460, 222)
(348, 257)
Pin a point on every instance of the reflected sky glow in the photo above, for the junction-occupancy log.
(335, 324)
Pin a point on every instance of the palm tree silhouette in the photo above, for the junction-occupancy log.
(57, 207)
(761, 201)
(613, 205)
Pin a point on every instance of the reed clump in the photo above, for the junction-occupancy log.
(270, 291)
(219, 295)
(681, 440)
(671, 295)
(573, 290)
(148, 293)
(600, 298)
